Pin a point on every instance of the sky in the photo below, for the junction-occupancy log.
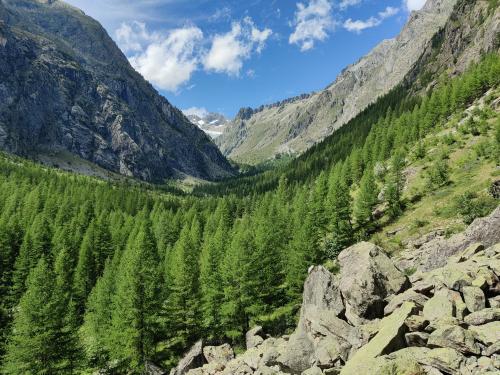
(222, 55)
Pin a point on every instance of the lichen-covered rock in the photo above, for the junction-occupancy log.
(439, 306)
(219, 354)
(253, 338)
(367, 277)
(399, 299)
(488, 333)
(474, 298)
(191, 360)
(390, 338)
(454, 337)
(321, 337)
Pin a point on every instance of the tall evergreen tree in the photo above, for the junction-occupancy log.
(365, 203)
(35, 345)
(136, 301)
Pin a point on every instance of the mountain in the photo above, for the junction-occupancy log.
(65, 87)
(294, 125)
(211, 123)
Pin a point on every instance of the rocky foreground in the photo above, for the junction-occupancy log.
(372, 318)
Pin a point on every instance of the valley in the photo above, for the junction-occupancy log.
(129, 244)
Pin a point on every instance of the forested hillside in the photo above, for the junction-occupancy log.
(101, 275)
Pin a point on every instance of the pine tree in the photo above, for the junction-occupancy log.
(96, 329)
(366, 201)
(136, 301)
(181, 308)
(36, 244)
(342, 234)
(34, 347)
(237, 283)
(394, 186)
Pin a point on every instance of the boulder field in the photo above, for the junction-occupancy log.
(374, 318)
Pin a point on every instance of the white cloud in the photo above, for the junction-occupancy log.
(132, 37)
(166, 61)
(312, 22)
(228, 51)
(358, 26)
(196, 111)
(348, 3)
(412, 5)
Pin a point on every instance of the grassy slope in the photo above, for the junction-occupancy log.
(471, 170)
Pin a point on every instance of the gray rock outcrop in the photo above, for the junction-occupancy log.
(84, 99)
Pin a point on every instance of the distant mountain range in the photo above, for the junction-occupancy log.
(294, 125)
(211, 123)
(65, 87)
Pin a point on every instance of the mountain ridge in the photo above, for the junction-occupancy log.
(296, 127)
(93, 104)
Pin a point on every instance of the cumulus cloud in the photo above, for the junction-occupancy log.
(167, 61)
(132, 37)
(414, 4)
(358, 26)
(228, 51)
(312, 23)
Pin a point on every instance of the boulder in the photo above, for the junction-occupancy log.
(488, 333)
(390, 338)
(435, 253)
(492, 349)
(439, 306)
(321, 337)
(218, 354)
(191, 360)
(407, 296)
(416, 323)
(367, 277)
(454, 337)
(494, 301)
(474, 298)
(253, 337)
(467, 253)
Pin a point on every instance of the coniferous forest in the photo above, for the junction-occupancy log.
(96, 274)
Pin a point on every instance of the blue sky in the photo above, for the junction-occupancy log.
(226, 54)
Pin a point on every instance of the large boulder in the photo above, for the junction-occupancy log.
(484, 316)
(454, 337)
(321, 337)
(391, 337)
(440, 306)
(367, 278)
(488, 333)
(191, 360)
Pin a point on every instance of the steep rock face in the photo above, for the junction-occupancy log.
(65, 85)
(292, 126)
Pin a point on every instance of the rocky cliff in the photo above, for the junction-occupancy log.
(65, 85)
(292, 126)
(373, 318)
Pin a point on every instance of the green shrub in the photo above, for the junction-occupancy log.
(471, 205)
